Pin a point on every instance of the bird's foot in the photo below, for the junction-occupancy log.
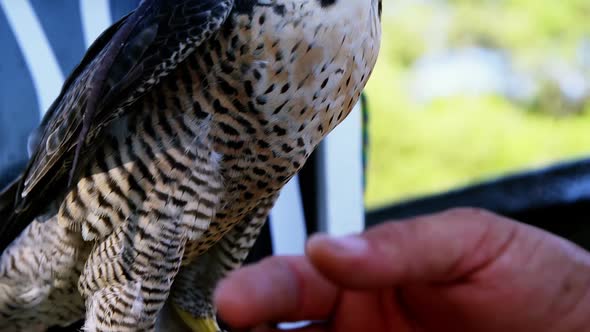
(198, 324)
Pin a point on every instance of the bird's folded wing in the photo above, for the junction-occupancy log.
(126, 61)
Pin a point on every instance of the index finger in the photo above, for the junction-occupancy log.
(437, 248)
(275, 290)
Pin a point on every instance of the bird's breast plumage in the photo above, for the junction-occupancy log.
(240, 116)
(213, 142)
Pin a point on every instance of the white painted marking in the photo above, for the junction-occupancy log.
(96, 17)
(287, 221)
(40, 59)
(340, 189)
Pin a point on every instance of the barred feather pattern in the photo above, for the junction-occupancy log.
(174, 196)
(208, 268)
(38, 274)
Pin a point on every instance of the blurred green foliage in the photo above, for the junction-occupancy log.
(418, 149)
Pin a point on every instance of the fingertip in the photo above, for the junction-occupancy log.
(275, 289)
(222, 291)
(230, 302)
(223, 296)
(248, 296)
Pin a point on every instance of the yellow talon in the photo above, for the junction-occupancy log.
(197, 324)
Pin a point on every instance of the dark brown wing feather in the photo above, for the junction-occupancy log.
(7, 199)
(127, 60)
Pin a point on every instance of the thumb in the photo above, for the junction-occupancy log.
(436, 248)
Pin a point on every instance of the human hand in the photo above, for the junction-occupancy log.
(461, 270)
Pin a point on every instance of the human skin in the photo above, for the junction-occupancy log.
(460, 270)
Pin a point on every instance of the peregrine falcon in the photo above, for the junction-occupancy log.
(157, 164)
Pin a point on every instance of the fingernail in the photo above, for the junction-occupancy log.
(347, 245)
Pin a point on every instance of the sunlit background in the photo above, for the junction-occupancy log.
(467, 90)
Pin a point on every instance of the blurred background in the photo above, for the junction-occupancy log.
(470, 90)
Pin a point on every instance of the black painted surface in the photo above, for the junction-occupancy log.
(556, 198)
